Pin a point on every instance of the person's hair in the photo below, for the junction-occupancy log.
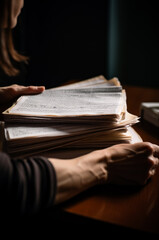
(7, 50)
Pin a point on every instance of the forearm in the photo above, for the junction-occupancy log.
(123, 164)
(76, 175)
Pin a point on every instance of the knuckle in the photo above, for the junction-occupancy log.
(13, 90)
(151, 161)
(148, 146)
(14, 87)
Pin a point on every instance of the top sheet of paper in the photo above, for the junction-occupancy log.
(96, 97)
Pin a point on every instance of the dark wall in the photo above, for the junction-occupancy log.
(79, 39)
(134, 42)
(64, 39)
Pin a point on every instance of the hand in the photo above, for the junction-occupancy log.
(122, 164)
(132, 164)
(11, 93)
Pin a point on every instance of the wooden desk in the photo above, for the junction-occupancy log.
(128, 207)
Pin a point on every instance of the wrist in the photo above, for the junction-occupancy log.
(93, 167)
(79, 174)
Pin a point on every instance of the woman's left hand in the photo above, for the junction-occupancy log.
(11, 93)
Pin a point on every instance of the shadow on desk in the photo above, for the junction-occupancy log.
(71, 224)
(56, 222)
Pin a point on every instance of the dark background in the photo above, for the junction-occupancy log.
(68, 40)
(65, 40)
(134, 42)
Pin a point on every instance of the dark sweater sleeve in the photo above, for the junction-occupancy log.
(27, 186)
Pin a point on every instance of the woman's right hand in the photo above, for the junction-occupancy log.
(122, 164)
(131, 164)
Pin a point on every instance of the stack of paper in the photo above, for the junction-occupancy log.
(89, 114)
(150, 112)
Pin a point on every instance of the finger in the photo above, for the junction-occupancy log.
(154, 164)
(145, 147)
(152, 172)
(30, 90)
(156, 151)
